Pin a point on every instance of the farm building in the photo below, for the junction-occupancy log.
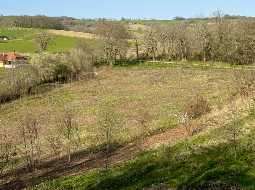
(12, 60)
(4, 38)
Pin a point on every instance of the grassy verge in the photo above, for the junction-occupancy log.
(184, 65)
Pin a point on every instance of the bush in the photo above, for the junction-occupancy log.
(81, 62)
(45, 68)
(197, 108)
(62, 72)
(245, 82)
(73, 65)
(18, 82)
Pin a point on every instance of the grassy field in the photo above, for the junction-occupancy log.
(203, 160)
(160, 92)
(23, 40)
(199, 162)
(131, 92)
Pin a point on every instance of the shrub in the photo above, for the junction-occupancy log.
(197, 108)
(81, 62)
(18, 82)
(64, 67)
(46, 68)
(62, 72)
(245, 82)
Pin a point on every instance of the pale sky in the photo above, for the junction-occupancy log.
(158, 9)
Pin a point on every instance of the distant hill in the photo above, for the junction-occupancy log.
(88, 25)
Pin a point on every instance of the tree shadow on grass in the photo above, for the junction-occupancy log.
(204, 168)
(57, 167)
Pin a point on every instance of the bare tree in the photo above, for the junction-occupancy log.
(114, 36)
(194, 110)
(109, 125)
(204, 40)
(234, 132)
(137, 48)
(81, 60)
(43, 40)
(182, 40)
(143, 120)
(7, 150)
(69, 130)
(151, 44)
(219, 39)
(30, 134)
(55, 144)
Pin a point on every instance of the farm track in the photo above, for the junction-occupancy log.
(85, 161)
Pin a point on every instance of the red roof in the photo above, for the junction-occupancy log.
(11, 56)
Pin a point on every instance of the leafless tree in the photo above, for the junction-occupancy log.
(114, 36)
(182, 40)
(69, 129)
(81, 60)
(151, 44)
(29, 130)
(204, 40)
(143, 120)
(218, 39)
(43, 40)
(137, 48)
(109, 126)
(7, 150)
(234, 132)
(185, 121)
(55, 144)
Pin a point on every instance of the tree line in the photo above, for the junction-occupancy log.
(219, 40)
(43, 22)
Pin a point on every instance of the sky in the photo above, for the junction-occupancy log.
(116, 9)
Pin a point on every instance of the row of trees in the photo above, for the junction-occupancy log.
(34, 143)
(221, 40)
(218, 39)
(32, 22)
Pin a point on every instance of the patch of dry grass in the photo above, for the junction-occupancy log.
(73, 34)
(162, 93)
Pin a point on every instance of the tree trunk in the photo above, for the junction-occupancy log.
(69, 154)
(204, 58)
(154, 54)
(137, 49)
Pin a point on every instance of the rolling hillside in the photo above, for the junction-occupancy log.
(173, 159)
(172, 113)
(166, 154)
(23, 40)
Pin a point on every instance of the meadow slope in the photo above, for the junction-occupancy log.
(157, 93)
(23, 40)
